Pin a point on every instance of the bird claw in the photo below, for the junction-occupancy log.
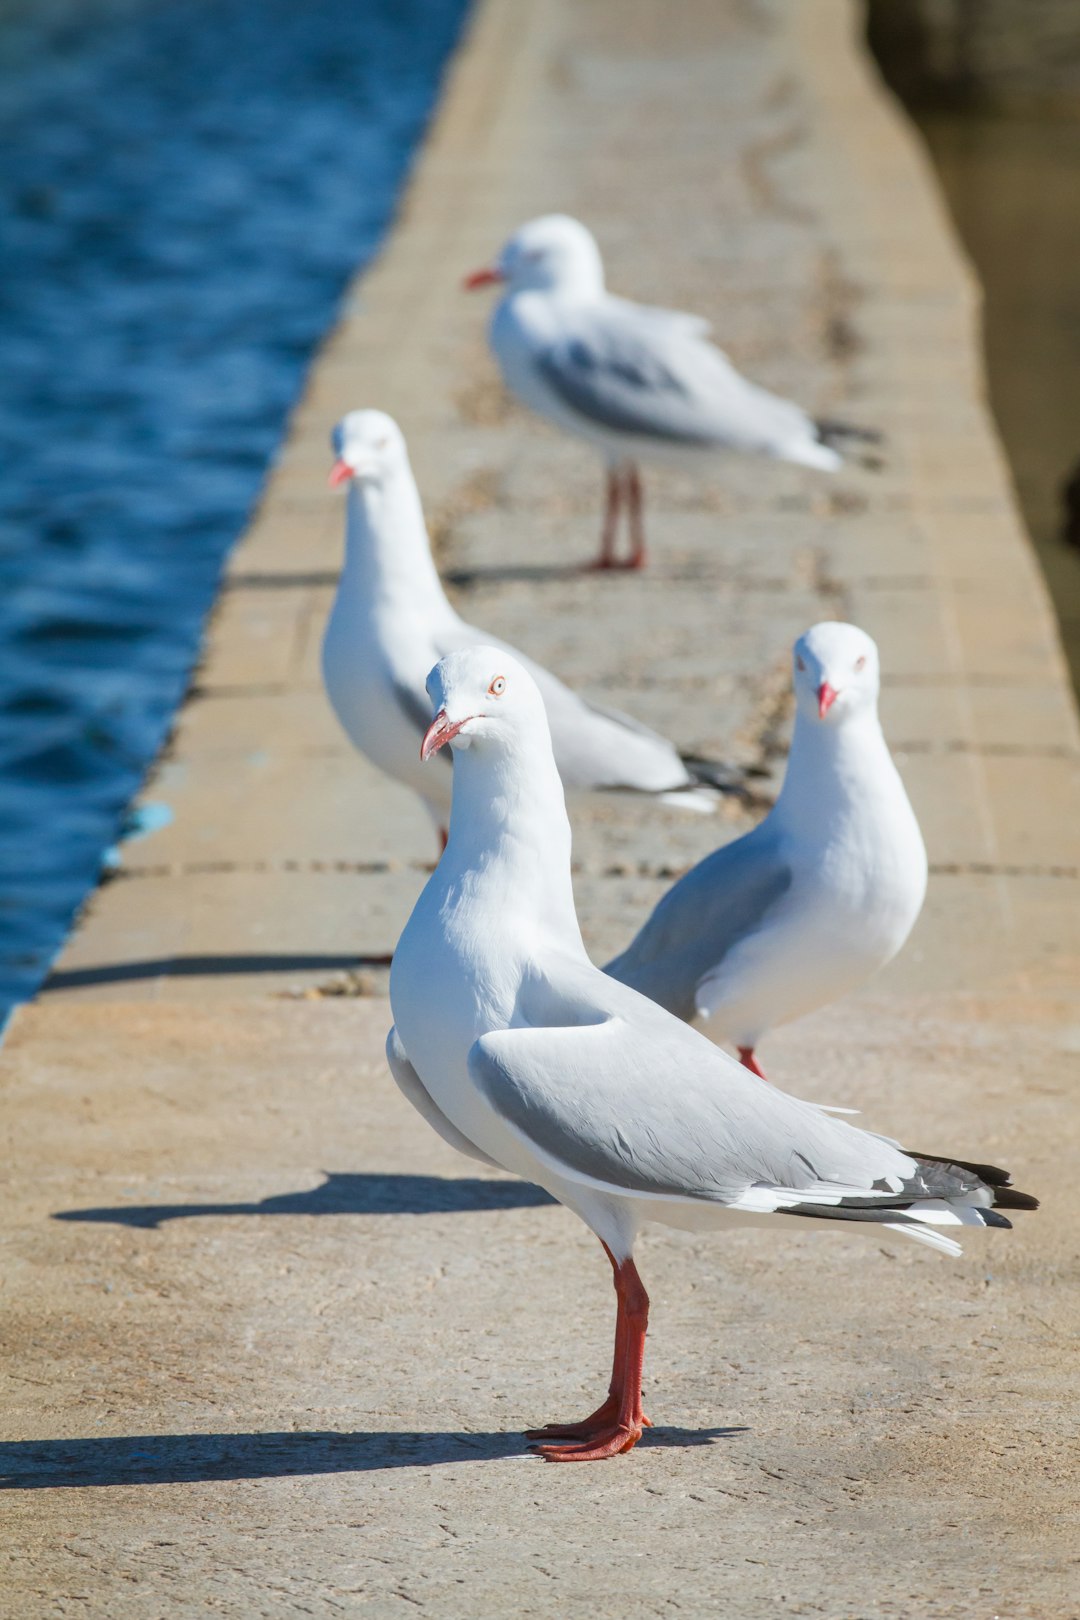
(606, 1442)
(613, 565)
(604, 1418)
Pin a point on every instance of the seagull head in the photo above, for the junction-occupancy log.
(554, 253)
(368, 446)
(836, 673)
(482, 698)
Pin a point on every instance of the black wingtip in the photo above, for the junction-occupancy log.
(830, 430)
(992, 1174)
(1009, 1198)
(1006, 1196)
(842, 436)
(715, 773)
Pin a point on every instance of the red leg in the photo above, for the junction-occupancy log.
(636, 500)
(607, 1411)
(609, 532)
(616, 1426)
(444, 839)
(749, 1061)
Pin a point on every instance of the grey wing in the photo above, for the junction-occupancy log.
(410, 1083)
(718, 903)
(624, 384)
(633, 374)
(629, 1105)
(594, 747)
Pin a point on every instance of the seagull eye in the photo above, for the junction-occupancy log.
(860, 662)
(497, 687)
(380, 444)
(800, 664)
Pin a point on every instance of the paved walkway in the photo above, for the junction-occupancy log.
(271, 1345)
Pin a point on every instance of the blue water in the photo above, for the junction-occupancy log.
(185, 188)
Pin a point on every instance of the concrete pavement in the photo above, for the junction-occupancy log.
(270, 1344)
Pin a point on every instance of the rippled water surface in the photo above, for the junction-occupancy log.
(185, 188)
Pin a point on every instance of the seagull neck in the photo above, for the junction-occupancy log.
(509, 842)
(387, 553)
(834, 765)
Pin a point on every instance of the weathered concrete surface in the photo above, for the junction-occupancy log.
(237, 1387)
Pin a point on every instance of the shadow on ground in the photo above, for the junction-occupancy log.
(201, 967)
(342, 1194)
(465, 579)
(173, 1459)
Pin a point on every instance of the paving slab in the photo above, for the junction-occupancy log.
(270, 1345)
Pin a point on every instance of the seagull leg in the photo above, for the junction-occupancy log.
(617, 1424)
(444, 839)
(636, 501)
(610, 530)
(749, 1061)
(606, 1412)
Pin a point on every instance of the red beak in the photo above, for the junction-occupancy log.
(826, 697)
(340, 473)
(488, 277)
(441, 730)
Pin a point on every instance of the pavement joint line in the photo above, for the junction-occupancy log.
(470, 579)
(662, 871)
(961, 678)
(985, 750)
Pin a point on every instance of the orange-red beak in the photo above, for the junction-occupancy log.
(488, 277)
(441, 730)
(826, 697)
(340, 473)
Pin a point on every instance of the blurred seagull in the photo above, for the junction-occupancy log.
(520, 1053)
(637, 383)
(391, 621)
(820, 895)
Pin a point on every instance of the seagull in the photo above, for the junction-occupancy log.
(522, 1054)
(820, 895)
(636, 382)
(391, 621)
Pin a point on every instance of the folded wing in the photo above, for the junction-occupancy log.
(655, 1111)
(631, 373)
(719, 903)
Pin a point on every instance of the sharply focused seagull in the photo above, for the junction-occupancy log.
(521, 1053)
(820, 895)
(635, 382)
(391, 621)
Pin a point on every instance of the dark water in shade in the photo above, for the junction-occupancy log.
(185, 188)
(1013, 186)
(1000, 114)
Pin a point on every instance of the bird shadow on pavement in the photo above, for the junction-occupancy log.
(465, 579)
(352, 1193)
(174, 1459)
(199, 967)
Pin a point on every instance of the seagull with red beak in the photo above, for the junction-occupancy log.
(522, 1054)
(635, 382)
(820, 895)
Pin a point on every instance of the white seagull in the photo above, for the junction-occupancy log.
(637, 383)
(820, 895)
(521, 1053)
(391, 621)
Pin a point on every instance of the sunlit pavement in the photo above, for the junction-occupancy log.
(272, 1346)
